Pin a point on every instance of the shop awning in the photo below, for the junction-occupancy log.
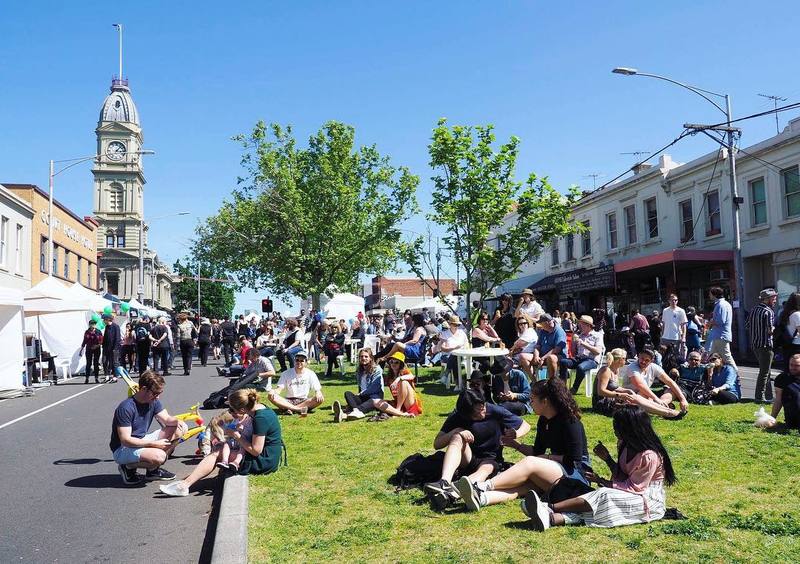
(576, 281)
(675, 255)
(516, 285)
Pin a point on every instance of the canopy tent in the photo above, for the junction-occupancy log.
(12, 361)
(251, 316)
(95, 301)
(344, 306)
(433, 305)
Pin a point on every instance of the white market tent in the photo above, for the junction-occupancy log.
(12, 361)
(96, 302)
(344, 306)
(433, 305)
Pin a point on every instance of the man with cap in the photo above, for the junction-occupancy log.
(528, 306)
(112, 340)
(510, 387)
(587, 351)
(299, 382)
(550, 347)
(92, 341)
(760, 325)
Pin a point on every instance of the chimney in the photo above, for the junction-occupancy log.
(641, 167)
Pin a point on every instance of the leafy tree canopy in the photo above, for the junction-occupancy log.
(217, 299)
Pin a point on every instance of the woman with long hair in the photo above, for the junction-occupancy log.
(503, 320)
(608, 394)
(559, 431)
(412, 347)
(635, 492)
(401, 383)
(369, 378)
(789, 322)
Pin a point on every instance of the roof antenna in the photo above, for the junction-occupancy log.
(119, 30)
(775, 100)
(594, 178)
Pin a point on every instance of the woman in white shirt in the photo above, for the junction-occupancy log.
(523, 348)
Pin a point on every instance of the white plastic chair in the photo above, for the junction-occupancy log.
(63, 364)
(588, 382)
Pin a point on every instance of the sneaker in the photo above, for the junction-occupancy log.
(175, 489)
(220, 371)
(130, 477)
(338, 413)
(355, 414)
(537, 511)
(442, 500)
(222, 465)
(441, 486)
(470, 494)
(159, 474)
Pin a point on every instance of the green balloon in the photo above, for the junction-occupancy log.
(101, 326)
(96, 318)
(125, 307)
(107, 310)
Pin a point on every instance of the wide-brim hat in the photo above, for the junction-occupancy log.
(527, 292)
(454, 319)
(501, 365)
(586, 319)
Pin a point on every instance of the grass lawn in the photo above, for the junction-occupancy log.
(739, 486)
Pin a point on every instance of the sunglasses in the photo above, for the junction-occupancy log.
(521, 323)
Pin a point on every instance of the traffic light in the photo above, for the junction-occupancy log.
(266, 305)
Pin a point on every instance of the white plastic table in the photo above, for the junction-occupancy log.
(475, 352)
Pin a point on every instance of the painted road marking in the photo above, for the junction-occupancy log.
(18, 419)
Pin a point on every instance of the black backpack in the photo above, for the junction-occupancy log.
(417, 470)
(217, 400)
(142, 333)
(780, 336)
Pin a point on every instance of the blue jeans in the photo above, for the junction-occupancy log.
(581, 366)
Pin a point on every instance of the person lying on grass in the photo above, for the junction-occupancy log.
(635, 492)
(262, 453)
(472, 436)
(560, 473)
(369, 377)
(299, 382)
(641, 376)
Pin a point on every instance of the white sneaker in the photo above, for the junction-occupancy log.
(533, 507)
(355, 414)
(175, 489)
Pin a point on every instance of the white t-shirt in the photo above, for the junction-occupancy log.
(530, 337)
(298, 385)
(532, 310)
(792, 324)
(673, 320)
(649, 375)
(452, 340)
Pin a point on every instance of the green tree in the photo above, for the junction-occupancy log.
(306, 220)
(217, 298)
(493, 224)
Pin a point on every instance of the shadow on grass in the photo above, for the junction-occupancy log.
(436, 389)
(519, 525)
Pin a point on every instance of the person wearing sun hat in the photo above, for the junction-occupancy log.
(587, 351)
(453, 338)
(528, 306)
(401, 382)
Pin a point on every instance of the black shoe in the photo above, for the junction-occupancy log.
(130, 477)
(441, 486)
(573, 391)
(167, 374)
(220, 371)
(185, 373)
(159, 474)
(97, 380)
(86, 381)
(442, 500)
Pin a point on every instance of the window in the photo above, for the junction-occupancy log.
(630, 224)
(78, 271)
(570, 247)
(55, 260)
(116, 201)
(43, 254)
(687, 221)
(110, 240)
(586, 239)
(554, 253)
(18, 250)
(89, 268)
(713, 225)
(758, 202)
(651, 216)
(66, 264)
(611, 220)
(121, 239)
(791, 191)
(3, 241)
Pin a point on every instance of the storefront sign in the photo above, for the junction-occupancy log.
(68, 231)
(584, 280)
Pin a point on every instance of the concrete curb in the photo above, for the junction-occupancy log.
(230, 539)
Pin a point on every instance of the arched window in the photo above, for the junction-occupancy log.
(110, 239)
(116, 198)
(121, 237)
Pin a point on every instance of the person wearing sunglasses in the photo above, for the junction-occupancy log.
(523, 348)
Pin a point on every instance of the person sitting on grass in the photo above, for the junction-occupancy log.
(298, 381)
(369, 377)
(608, 394)
(510, 387)
(472, 436)
(255, 365)
(560, 431)
(634, 494)
(787, 394)
(522, 350)
(640, 376)
(400, 380)
(132, 446)
(262, 453)
(689, 374)
(724, 381)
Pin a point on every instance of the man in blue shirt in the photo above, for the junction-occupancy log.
(721, 334)
(551, 345)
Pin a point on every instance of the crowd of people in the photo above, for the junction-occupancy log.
(662, 364)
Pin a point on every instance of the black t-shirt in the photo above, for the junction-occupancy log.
(137, 416)
(228, 330)
(157, 332)
(562, 436)
(505, 329)
(487, 431)
(790, 396)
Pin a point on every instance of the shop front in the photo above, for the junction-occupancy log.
(580, 291)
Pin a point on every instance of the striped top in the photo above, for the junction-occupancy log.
(760, 324)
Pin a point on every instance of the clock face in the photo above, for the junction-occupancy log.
(115, 151)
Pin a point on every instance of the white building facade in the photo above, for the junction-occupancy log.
(15, 241)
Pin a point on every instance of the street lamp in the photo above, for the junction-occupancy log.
(140, 292)
(53, 174)
(735, 200)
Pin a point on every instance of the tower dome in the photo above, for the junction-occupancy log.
(119, 105)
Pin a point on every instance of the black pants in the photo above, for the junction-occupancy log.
(187, 347)
(93, 360)
(515, 407)
(110, 361)
(142, 355)
(227, 350)
(128, 352)
(202, 353)
(364, 405)
(724, 396)
(160, 354)
(332, 361)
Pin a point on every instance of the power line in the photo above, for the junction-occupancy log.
(775, 100)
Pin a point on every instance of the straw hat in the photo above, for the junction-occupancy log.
(586, 319)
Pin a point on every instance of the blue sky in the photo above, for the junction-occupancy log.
(203, 72)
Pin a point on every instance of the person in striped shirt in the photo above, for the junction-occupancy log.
(760, 325)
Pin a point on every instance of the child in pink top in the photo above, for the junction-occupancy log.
(635, 493)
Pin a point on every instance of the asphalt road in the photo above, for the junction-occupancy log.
(63, 499)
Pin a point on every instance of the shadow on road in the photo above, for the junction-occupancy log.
(80, 461)
(112, 481)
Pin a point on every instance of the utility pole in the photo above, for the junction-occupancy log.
(775, 100)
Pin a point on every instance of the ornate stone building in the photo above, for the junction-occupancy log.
(119, 204)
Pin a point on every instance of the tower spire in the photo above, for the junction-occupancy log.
(119, 33)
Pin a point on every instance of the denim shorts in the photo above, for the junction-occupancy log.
(129, 455)
(575, 474)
